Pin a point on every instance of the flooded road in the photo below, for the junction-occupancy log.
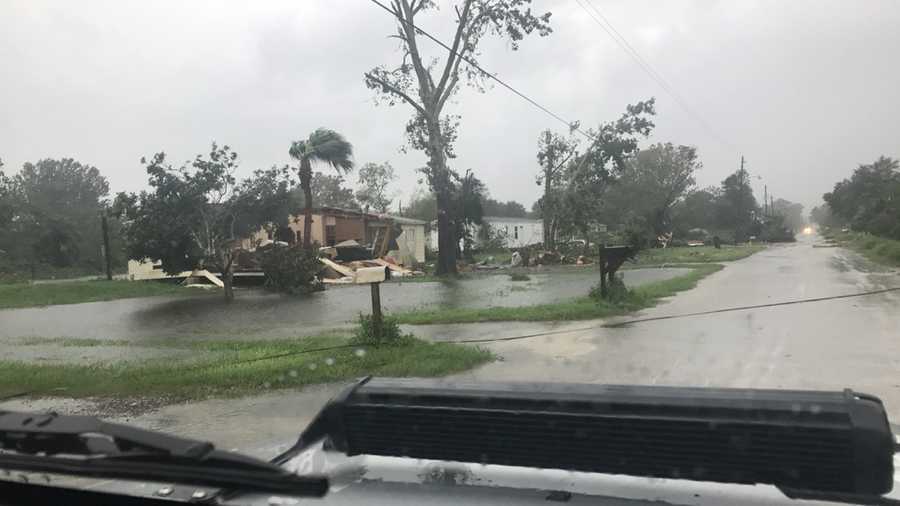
(257, 314)
(834, 344)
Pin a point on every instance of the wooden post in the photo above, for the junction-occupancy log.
(106, 256)
(376, 309)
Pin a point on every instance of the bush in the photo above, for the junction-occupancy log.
(291, 269)
(519, 276)
(390, 332)
(616, 291)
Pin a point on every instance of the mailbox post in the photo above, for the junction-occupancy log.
(374, 276)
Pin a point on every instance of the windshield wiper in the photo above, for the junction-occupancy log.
(88, 446)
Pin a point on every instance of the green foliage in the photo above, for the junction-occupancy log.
(519, 276)
(427, 84)
(696, 254)
(292, 269)
(736, 207)
(791, 213)
(50, 214)
(648, 188)
(870, 200)
(573, 206)
(187, 218)
(389, 335)
(374, 179)
(508, 209)
(328, 190)
(616, 291)
(878, 249)
(237, 368)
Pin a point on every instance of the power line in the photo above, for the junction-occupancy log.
(623, 43)
(569, 124)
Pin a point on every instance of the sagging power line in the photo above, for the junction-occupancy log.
(571, 125)
(604, 23)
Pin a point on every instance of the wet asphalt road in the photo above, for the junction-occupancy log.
(835, 344)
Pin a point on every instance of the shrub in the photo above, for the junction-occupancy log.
(291, 269)
(616, 291)
(519, 276)
(391, 335)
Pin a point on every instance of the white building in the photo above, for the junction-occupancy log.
(516, 232)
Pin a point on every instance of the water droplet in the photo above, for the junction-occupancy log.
(329, 361)
(165, 491)
(293, 373)
(267, 385)
(312, 367)
(281, 378)
(198, 494)
(360, 352)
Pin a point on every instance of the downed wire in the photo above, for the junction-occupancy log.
(537, 334)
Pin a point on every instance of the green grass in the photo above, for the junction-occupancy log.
(697, 254)
(582, 308)
(877, 249)
(232, 368)
(74, 292)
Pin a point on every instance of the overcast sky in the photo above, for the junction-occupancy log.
(804, 90)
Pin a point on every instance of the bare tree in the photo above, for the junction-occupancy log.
(412, 82)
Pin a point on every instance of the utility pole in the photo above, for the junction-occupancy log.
(106, 255)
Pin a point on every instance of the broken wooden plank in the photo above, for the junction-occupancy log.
(393, 267)
(343, 269)
(203, 273)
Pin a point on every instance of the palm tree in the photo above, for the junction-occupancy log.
(323, 146)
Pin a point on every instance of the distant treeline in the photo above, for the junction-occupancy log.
(868, 201)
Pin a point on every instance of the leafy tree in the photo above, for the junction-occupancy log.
(589, 175)
(413, 82)
(422, 206)
(697, 210)
(791, 212)
(52, 210)
(328, 190)
(508, 209)
(870, 199)
(554, 151)
(654, 181)
(737, 209)
(322, 146)
(266, 199)
(822, 216)
(374, 179)
(467, 209)
(194, 215)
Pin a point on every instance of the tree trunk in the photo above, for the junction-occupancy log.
(447, 240)
(228, 281)
(305, 184)
(545, 212)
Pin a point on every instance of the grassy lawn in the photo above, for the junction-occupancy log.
(230, 368)
(877, 249)
(582, 308)
(73, 292)
(697, 254)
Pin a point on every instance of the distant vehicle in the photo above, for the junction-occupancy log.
(695, 243)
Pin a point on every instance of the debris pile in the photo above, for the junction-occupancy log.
(341, 261)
